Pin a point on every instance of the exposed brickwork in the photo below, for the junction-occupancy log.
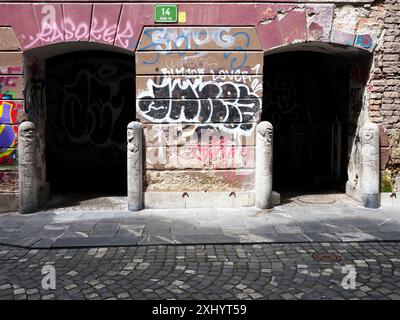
(384, 103)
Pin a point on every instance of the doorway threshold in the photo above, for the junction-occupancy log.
(61, 202)
(317, 198)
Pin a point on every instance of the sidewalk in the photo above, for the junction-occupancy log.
(297, 221)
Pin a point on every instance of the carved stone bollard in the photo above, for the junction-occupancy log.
(370, 186)
(135, 166)
(264, 142)
(26, 166)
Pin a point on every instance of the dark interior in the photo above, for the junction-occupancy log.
(90, 101)
(306, 99)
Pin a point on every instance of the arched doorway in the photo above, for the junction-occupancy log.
(309, 98)
(90, 101)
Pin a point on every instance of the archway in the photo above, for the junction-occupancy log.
(314, 100)
(90, 101)
(81, 98)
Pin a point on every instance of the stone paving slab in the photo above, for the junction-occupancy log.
(291, 222)
(207, 271)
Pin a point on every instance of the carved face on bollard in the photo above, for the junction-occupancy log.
(369, 134)
(265, 129)
(27, 130)
(133, 143)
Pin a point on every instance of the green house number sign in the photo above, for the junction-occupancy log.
(165, 13)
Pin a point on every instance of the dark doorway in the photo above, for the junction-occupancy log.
(90, 101)
(306, 99)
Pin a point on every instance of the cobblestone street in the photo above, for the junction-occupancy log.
(259, 271)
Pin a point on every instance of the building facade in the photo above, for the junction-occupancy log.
(79, 72)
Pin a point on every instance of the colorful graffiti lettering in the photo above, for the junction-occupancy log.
(8, 156)
(8, 141)
(8, 135)
(364, 40)
(167, 41)
(97, 30)
(156, 39)
(227, 156)
(7, 95)
(10, 70)
(8, 131)
(9, 111)
(7, 82)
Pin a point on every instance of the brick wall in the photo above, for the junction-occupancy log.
(384, 103)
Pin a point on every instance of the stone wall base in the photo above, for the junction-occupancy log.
(389, 199)
(353, 192)
(176, 200)
(8, 202)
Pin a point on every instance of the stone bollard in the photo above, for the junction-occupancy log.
(135, 166)
(26, 167)
(264, 142)
(370, 186)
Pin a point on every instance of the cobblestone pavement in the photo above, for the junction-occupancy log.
(303, 219)
(258, 271)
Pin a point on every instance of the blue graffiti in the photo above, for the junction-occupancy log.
(168, 41)
(234, 60)
(364, 41)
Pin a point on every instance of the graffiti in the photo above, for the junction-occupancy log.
(287, 112)
(8, 136)
(207, 82)
(168, 40)
(193, 135)
(125, 37)
(102, 31)
(7, 95)
(72, 31)
(226, 155)
(364, 40)
(49, 30)
(98, 30)
(10, 70)
(203, 61)
(8, 82)
(8, 157)
(99, 117)
(242, 104)
(8, 132)
(34, 97)
(88, 109)
(156, 39)
(9, 111)
(195, 88)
